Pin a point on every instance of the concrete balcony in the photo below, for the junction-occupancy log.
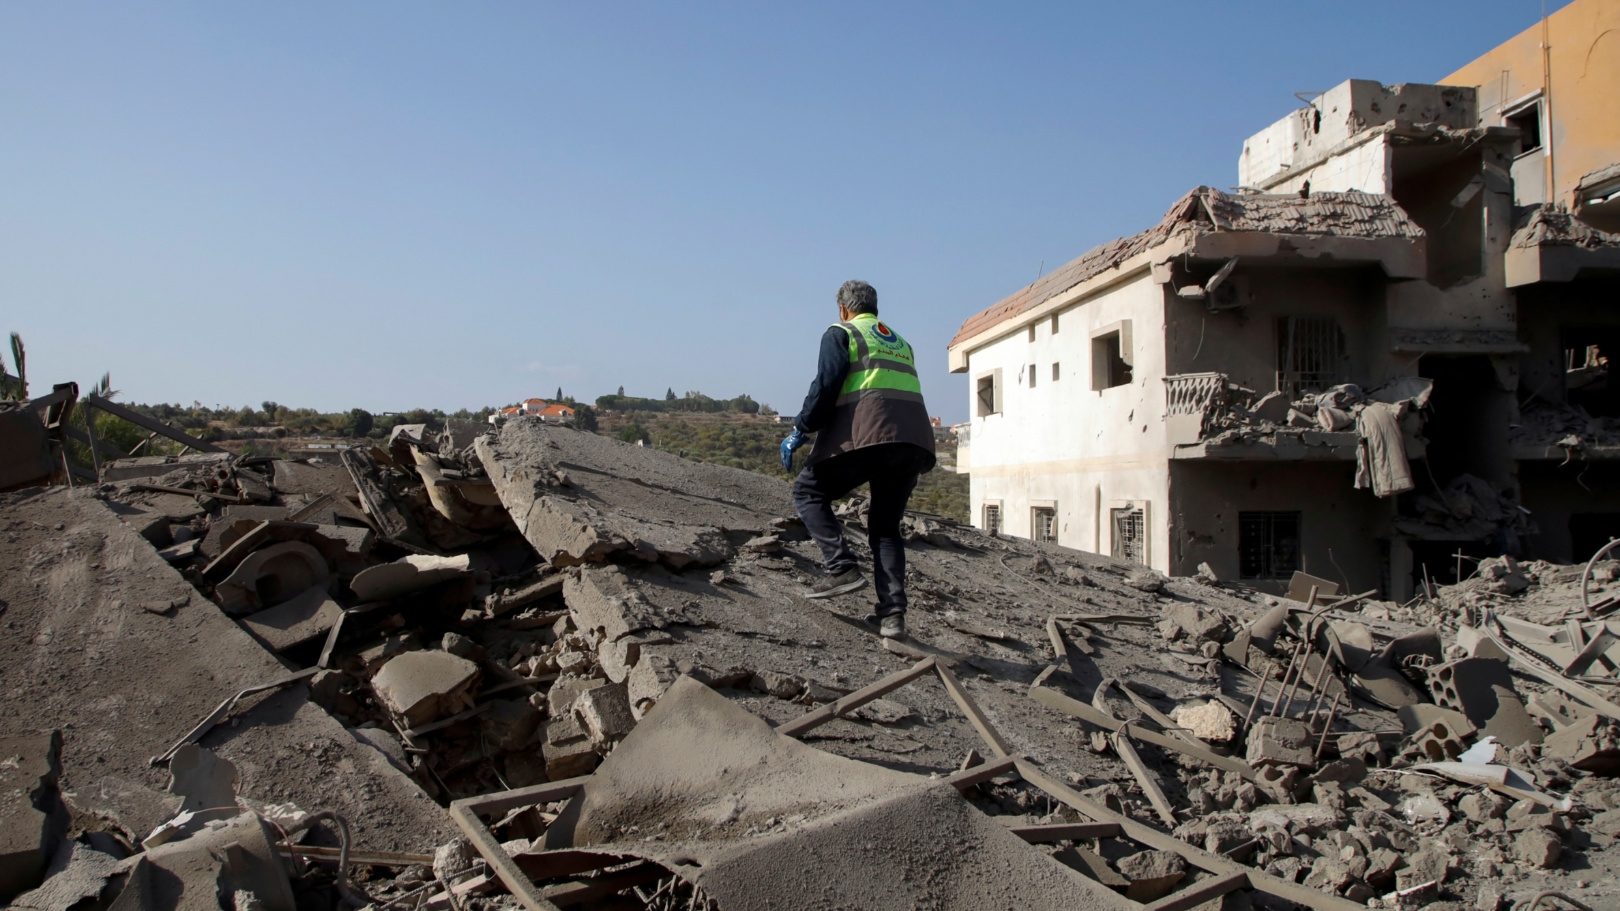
(1208, 417)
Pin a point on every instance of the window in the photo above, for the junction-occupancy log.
(1043, 523)
(1527, 120)
(1268, 544)
(1032, 332)
(1310, 352)
(1032, 376)
(1130, 532)
(1111, 356)
(992, 518)
(987, 400)
(1054, 324)
(1054, 371)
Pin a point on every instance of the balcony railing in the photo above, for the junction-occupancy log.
(1194, 393)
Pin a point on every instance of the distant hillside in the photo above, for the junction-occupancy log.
(751, 443)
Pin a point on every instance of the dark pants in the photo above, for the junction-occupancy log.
(891, 469)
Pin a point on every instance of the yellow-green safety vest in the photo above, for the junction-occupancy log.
(881, 363)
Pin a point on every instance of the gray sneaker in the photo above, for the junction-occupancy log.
(850, 580)
(891, 627)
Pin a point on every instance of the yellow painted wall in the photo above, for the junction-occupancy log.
(1584, 38)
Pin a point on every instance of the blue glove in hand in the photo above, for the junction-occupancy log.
(789, 446)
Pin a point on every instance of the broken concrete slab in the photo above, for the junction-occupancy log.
(406, 575)
(132, 682)
(205, 783)
(295, 621)
(1152, 874)
(271, 575)
(710, 772)
(77, 872)
(156, 466)
(226, 857)
(1482, 689)
(25, 456)
(425, 685)
(32, 816)
(223, 523)
(578, 497)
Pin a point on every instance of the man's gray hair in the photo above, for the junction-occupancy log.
(857, 297)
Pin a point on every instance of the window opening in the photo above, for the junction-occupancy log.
(1043, 521)
(1032, 376)
(1130, 534)
(1528, 122)
(1054, 324)
(1032, 332)
(1310, 350)
(1054, 371)
(992, 518)
(1108, 365)
(987, 395)
(1268, 545)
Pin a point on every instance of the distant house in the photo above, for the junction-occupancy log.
(499, 416)
(534, 406)
(557, 414)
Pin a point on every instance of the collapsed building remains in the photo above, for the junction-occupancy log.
(1387, 346)
(535, 667)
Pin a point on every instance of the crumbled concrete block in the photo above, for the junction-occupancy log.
(1146, 581)
(565, 690)
(1426, 866)
(423, 686)
(648, 680)
(1360, 745)
(1304, 818)
(1482, 689)
(1538, 847)
(1282, 782)
(1281, 740)
(510, 724)
(604, 713)
(782, 686)
(1329, 874)
(206, 782)
(1211, 722)
(1152, 874)
(565, 730)
(569, 760)
(32, 816)
(1198, 624)
(1344, 771)
(763, 544)
(1483, 805)
(1591, 744)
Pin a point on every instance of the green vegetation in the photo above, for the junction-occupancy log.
(695, 402)
(753, 444)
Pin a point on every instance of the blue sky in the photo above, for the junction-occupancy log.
(453, 205)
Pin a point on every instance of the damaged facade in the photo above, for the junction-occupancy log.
(1359, 363)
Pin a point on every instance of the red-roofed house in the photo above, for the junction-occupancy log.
(557, 414)
(534, 406)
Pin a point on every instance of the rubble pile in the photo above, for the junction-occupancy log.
(535, 667)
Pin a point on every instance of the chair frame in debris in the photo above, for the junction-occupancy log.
(1228, 875)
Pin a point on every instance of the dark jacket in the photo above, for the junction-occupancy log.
(840, 430)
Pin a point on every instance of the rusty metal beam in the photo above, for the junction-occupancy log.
(832, 710)
(141, 420)
(1078, 709)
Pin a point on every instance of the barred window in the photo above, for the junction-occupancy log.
(1268, 545)
(1043, 523)
(992, 518)
(1310, 354)
(1130, 534)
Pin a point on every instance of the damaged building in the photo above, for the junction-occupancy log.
(1389, 345)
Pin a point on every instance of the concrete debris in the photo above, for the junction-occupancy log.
(566, 605)
(422, 686)
(33, 818)
(77, 872)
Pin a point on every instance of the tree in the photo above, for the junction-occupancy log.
(633, 432)
(360, 422)
(585, 419)
(559, 394)
(668, 396)
(621, 392)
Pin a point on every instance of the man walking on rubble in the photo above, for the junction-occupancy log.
(866, 410)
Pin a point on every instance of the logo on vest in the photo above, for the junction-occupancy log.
(885, 333)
